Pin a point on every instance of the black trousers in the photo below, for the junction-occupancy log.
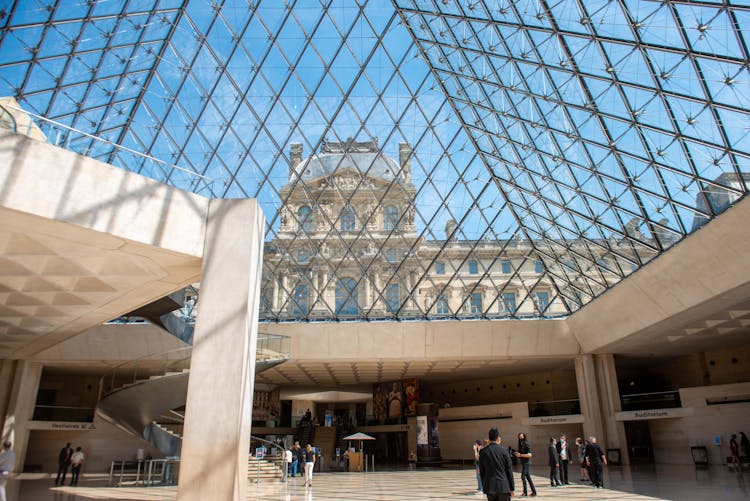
(74, 472)
(564, 471)
(499, 496)
(526, 476)
(62, 472)
(596, 474)
(553, 476)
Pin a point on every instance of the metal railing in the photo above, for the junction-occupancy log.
(653, 400)
(112, 153)
(274, 456)
(63, 413)
(144, 367)
(554, 408)
(144, 473)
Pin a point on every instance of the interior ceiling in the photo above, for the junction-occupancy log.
(619, 125)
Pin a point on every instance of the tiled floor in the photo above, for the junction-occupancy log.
(679, 483)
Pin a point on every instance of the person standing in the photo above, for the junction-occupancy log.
(63, 463)
(524, 456)
(288, 458)
(309, 465)
(744, 446)
(553, 462)
(595, 458)
(7, 460)
(496, 469)
(734, 450)
(582, 459)
(300, 459)
(76, 461)
(563, 449)
(477, 447)
(295, 461)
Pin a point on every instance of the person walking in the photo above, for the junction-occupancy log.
(7, 460)
(295, 461)
(524, 456)
(300, 459)
(553, 462)
(581, 446)
(496, 469)
(76, 461)
(563, 449)
(477, 447)
(744, 446)
(595, 458)
(63, 463)
(309, 465)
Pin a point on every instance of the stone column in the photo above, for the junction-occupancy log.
(367, 302)
(275, 295)
(20, 410)
(611, 404)
(216, 440)
(600, 400)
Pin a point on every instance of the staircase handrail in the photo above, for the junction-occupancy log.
(164, 167)
(112, 373)
(282, 451)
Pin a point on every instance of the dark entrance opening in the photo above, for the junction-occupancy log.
(638, 435)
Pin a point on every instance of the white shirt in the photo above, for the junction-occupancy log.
(288, 456)
(563, 449)
(76, 458)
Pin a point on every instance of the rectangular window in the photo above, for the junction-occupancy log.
(542, 300)
(300, 300)
(475, 302)
(505, 267)
(441, 305)
(538, 267)
(391, 298)
(473, 268)
(509, 302)
(439, 268)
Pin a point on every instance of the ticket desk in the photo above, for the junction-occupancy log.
(356, 461)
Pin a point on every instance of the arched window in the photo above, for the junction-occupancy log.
(347, 221)
(391, 298)
(346, 297)
(299, 306)
(390, 217)
(304, 218)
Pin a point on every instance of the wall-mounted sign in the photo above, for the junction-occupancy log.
(545, 420)
(60, 425)
(654, 414)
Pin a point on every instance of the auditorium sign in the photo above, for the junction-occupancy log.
(546, 420)
(654, 414)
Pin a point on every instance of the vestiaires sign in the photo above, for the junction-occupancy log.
(61, 425)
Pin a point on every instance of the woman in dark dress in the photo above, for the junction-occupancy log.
(554, 462)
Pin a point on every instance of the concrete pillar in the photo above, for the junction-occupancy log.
(367, 302)
(20, 407)
(216, 441)
(611, 404)
(275, 295)
(600, 400)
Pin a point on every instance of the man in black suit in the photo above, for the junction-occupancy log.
(563, 449)
(63, 463)
(594, 460)
(553, 462)
(496, 469)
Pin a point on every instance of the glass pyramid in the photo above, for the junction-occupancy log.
(416, 159)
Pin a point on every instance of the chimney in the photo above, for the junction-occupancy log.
(404, 158)
(295, 157)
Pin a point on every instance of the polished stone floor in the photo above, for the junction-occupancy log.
(637, 483)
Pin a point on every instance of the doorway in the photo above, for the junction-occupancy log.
(638, 436)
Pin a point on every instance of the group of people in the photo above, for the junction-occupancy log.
(300, 455)
(589, 456)
(735, 448)
(69, 459)
(494, 467)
